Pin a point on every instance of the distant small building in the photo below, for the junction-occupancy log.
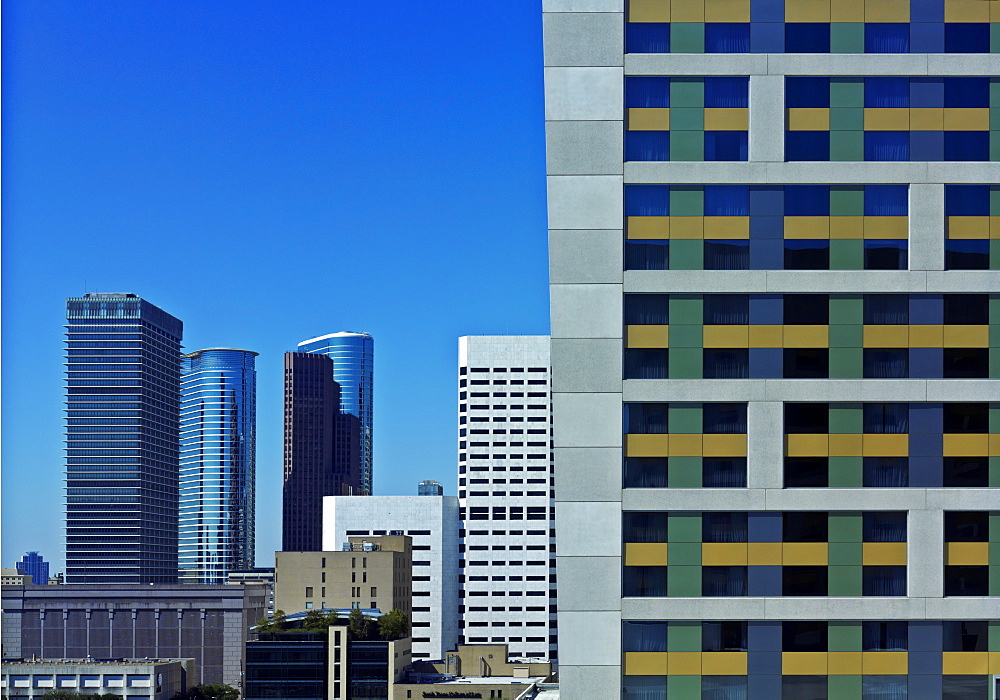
(33, 564)
(258, 574)
(136, 679)
(14, 577)
(430, 488)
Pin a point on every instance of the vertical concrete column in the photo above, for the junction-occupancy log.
(767, 118)
(926, 227)
(765, 444)
(925, 554)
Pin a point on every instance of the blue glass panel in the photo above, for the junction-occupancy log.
(967, 254)
(886, 200)
(966, 200)
(927, 37)
(967, 37)
(644, 687)
(647, 145)
(807, 145)
(647, 92)
(885, 255)
(927, 145)
(887, 92)
(644, 636)
(966, 145)
(767, 200)
(966, 92)
(725, 145)
(887, 38)
(647, 37)
(767, 37)
(807, 200)
(647, 255)
(727, 200)
(807, 92)
(887, 145)
(807, 37)
(727, 92)
(647, 200)
(727, 37)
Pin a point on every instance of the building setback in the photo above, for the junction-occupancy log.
(507, 564)
(217, 467)
(122, 405)
(774, 351)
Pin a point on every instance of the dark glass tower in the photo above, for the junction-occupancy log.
(122, 404)
(217, 472)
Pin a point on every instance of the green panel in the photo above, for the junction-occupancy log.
(994, 588)
(687, 119)
(684, 418)
(687, 201)
(994, 553)
(847, 92)
(684, 553)
(844, 687)
(994, 95)
(847, 37)
(847, 200)
(995, 363)
(994, 141)
(995, 529)
(994, 473)
(994, 37)
(684, 635)
(994, 255)
(844, 636)
(683, 686)
(994, 636)
(841, 119)
(994, 309)
(686, 309)
(846, 554)
(684, 336)
(994, 413)
(847, 254)
(845, 527)
(847, 336)
(844, 581)
(683, 528)
(683, 581)
(846, 418)
(846, 363)
(690, 92)
(684, 473)
(995, 194)
(847, 145)
(687, 145)
(687, 255)
(846, 472)
(685, 363)
(847, 309)
(995, 336)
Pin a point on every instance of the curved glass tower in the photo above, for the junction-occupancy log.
(218, 426)
(353, 359)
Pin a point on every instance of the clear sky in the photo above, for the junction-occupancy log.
(268, 172)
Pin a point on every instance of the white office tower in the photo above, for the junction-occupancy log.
(432, 522)
(505, 493)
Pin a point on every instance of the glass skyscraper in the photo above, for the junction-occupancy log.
(122, 404)
(353, 360)
(218, 428)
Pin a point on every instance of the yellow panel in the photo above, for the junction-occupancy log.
(969, 227)
(807, 445)
(926, 118)
(645, 554)
(994, 663)
(884, 663)
(994, 11)
(886, 336)
(649, 336)
(803, 663)
(807, 227)
(685, 445)
(724, 663)
(687, 10)
(766, 336)
(649, 10)
(956, 336)
(994, 445)
(926, 336)
(887, 119)
(646, 445)
(847, 227)
(966, 11)
(887, 10)
(807, 336)
(687, 227)
(804, 553)
(645, 663)
(844, 663)
(734, 445)
(764, 554)
(726, 118)
(728, 227)
(683, 663)
(966, 444)
(876, 445)
(847, 11)
(808, 118)
(895, 227)
(967, 553)
(649, 119)
(995, 224)
(724, 554)
(807, 11)
(727, 10)
(967, 119)
(846, 445)
(726, 336)
(883, 553)
(648, 227)
(960, 663)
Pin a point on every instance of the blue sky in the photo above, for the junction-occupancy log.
(268, 172)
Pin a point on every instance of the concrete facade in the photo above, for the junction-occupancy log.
(136, 679)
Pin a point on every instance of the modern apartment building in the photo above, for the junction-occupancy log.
(775, 346)
(353, 356)
(507, 557)
(122, 406)
(33, 564)
(433, 524)
(217, 468)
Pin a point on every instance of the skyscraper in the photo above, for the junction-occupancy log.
(505, 493)
(122, 406)
(217, 472)
(353, 356)
(312, 469)
(35, 566)
(772, 364)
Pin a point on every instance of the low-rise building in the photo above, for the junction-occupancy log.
(472, 671)
(14, 577)
(132, 679)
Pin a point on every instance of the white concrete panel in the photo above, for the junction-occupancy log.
(589, 639)
(925, 553)
(926, 227)
(695, 64)
(985, 64)
(584, 93)
(585, 202)
(583, 5)
(693, 608)
(963, 389)
(694, 390)
(588, 473)
(583, 148)
(959, 173)
(693, 499)
(964, 281)
(589, 529)
(767, 118)
(695, 281)
(585, 256)
(963, 608)
(963, 498)
(847, 172)
(589, 365)
(590, 583)
(846, 64)
(765, 444)
(694, 172)
(586, 310)
(845, 390)
(832, 281)
(587, 420)
(795, 608)
(583, 38)
(590, 681)
(845, 499)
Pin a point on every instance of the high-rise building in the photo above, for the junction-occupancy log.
(774, 351)
(353, 356)
(430, 488)
(217, 474)
(122, 406)
(312, 469)
(505, 493)
(35, 566)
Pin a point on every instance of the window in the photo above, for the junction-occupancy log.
(309, 592)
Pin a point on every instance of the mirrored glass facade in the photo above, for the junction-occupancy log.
(218, 428)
